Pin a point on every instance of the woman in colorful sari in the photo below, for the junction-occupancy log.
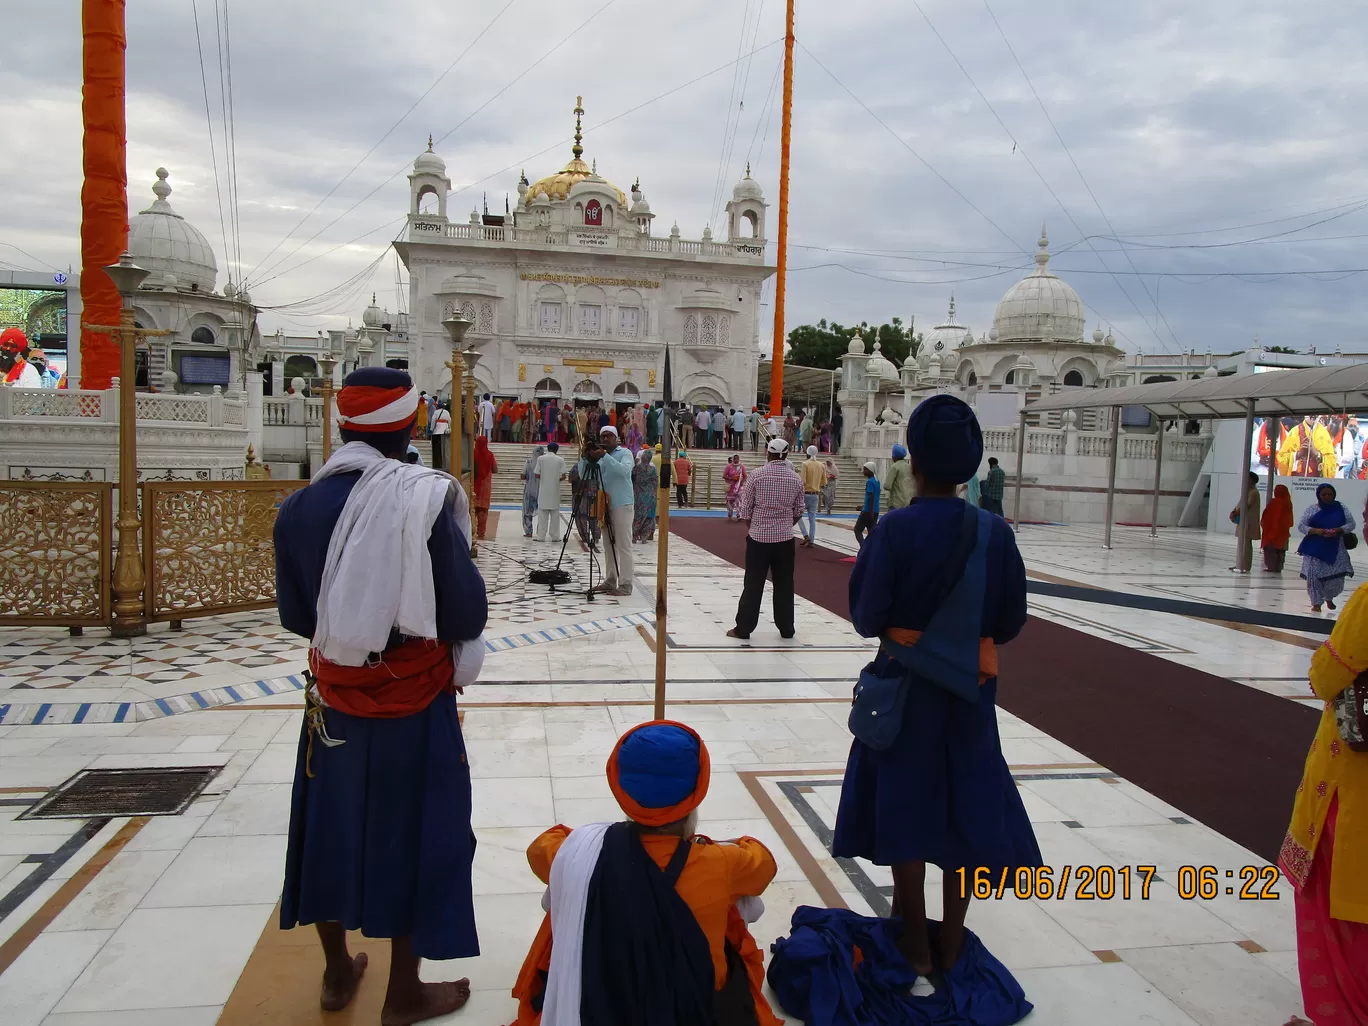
(829, 492)
(633, 440)
(530, 485)
(790, 430)
(1276, 529)
(824, 437)
(1326, 848)
(565, 424)
(548, 418)
(1325, 561)
(941, 792)
(735, 476)
(645, 484)
(485, 469)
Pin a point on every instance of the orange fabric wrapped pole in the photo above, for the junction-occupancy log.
(104, 193)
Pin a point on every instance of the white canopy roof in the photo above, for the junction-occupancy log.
(1314, 390)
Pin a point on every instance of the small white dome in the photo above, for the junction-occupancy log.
(162, 241)
(373, 316)
(747, 189)
(943, 338)
(1098, 337)
(1039, 307)
(879, 366)
(428, 163)
(857, 346)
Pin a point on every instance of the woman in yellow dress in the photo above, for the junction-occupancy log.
(1326, 849)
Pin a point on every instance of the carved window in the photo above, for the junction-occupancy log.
(468, 311)
(629, 321)
(486, 319)
(1073, 378)
(691, 330)
(725, 330)
(590, 319)
(202, 336)
(593, 213)
(551, 318)
(709, 336)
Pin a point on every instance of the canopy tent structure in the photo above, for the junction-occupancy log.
(799, 383)
(1338, 389)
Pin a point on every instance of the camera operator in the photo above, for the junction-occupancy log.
(614, 466)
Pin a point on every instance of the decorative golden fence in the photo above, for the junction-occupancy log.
(208, 547)
(56, 553)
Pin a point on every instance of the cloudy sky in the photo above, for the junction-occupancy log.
(1222, 142)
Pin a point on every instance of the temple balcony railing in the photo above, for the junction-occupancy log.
(25, 405)
(430, 229)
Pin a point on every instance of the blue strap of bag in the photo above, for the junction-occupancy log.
(876, 713)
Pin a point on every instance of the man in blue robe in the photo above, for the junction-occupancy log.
(373, 566)
(941, 792)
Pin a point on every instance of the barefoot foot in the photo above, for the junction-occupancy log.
(428, 1002)
(338, 990)
(918, 957)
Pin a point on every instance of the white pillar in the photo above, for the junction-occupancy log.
(255, 435)
(1111, 475)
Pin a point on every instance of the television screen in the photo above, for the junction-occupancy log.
(41, 314)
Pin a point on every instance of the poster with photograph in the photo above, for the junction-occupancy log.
(1325, 446)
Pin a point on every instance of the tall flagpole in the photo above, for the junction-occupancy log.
(776, 404)
(663, 540)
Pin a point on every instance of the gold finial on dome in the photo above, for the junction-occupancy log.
(429, 142)
(577, 149)
(1043, 257)
(748, 169)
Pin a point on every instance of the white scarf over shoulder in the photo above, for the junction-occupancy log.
(378, 573)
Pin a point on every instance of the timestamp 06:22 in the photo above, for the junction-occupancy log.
(1104, 883)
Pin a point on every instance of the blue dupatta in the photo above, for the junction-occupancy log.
(1322, 547)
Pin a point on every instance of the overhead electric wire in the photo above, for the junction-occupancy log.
(730, 110)
(1031, 164)
(26, 253)
(231, 131)
(388, 132)
(905, 145)
(765, 112)
(209, 122)
(406, 165)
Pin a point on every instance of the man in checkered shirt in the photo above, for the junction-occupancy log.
(771, 503)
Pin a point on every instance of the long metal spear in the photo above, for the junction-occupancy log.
(663, 541)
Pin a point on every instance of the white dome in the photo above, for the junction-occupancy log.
(373, 316)
(856, 347)
(943, 338)
(166, 243)
(747, 189)
(879, 366)
(428, 163)
(1039, 307)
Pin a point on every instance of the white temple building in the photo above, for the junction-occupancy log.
(573, 294)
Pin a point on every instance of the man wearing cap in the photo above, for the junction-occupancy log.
(614, 463)
(648, 917)
(897, 483)
(15, 369)
(814, 473)
(771, 503)
(941, 585)
(373, 566)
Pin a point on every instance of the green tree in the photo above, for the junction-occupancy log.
(823, 344)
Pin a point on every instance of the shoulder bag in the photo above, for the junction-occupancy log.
(876, 714)
(1351, 713)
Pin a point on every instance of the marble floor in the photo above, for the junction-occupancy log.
(151, 920)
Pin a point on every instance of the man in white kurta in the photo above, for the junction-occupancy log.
(550, 472)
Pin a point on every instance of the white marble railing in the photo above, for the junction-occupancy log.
(1047, 443)
(1100, 445)
(215, 410)
(749, 249)
(1138, 448)
(281, 411)
(1000, 440)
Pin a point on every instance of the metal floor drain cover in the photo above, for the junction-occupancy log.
(166, 791)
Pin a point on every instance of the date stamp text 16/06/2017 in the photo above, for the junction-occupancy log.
(1103, 883)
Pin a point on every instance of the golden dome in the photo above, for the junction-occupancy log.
(558, 186)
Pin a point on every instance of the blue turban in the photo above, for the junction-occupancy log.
(899, 452)
(658, 765)
(944, 440)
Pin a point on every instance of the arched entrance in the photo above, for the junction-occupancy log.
(547, 388)
(587, 391)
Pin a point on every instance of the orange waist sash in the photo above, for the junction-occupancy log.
(988, 661)
(405, 680)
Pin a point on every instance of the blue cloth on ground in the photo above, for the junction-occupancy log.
(658, 766)
(813, 974)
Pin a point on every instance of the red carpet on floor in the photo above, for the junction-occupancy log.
(1221, 752)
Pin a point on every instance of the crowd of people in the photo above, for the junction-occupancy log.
(646, 919)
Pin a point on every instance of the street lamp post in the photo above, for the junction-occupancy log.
(471, 359)
(326, 363)
(129, 620)
(456, 327)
